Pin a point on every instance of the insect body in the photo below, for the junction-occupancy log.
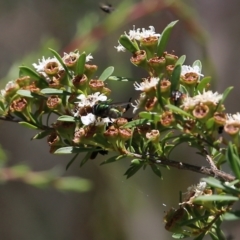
(107, 8)
(111, 110)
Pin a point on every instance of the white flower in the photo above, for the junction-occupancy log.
(189, 102)
(10, 85)
(189, 69)
(208, 97)
(146, 85)
(136, 106)
(233, 119)
(138, 102)
(120, 47)
(91, 100)
(193, 192)
(92, 119)
(42, 63)
(139, 35)
(89, 57)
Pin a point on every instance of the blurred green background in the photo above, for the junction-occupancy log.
(115, 208)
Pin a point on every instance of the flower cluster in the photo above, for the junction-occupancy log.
(175, 106)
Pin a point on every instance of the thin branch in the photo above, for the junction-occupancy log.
(185, 166)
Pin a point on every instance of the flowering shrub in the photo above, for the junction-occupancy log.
(175, 106)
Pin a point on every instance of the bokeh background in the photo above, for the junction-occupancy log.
(115, 208)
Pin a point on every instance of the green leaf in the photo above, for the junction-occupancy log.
(26, 71)
(210, 123)
(156, 170)
(199, 64)
(175, 78)
(180, 236)
(135, 123)
(215, 198)
(71, 161)
(25, 93)
(163, 40)
(159, 95)
(233, 160)
(69, 150)
(150, 116)
(213, 182)
(128, 44)
(42, 135)
(181, 60)
(60, 60)
(220, 234)
(225, 94)
(213, 236)
(106, 73)
(85, 159)
(178, 110)
(134, 167)
(232, 216)
(113, 159)
(66, 118)
(203, 84)
(81, 64)
(53, 91)
(28, 125)
(122, 79)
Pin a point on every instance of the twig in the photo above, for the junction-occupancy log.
(185, 166)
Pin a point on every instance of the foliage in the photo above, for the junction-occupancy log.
(175, 106)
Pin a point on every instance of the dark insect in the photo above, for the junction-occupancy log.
(106, 109)
(220, 129)
(176, 96)
(106, 7)
(111, 110)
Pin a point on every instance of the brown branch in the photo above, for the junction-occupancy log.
(222, 176)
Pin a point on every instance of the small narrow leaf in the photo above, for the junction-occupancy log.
(66, 118)
(156, 170)
(181, 60)
(162, 41)
(81, 64)
(61, 61)
(215, 198)
(232, 216)
(53, 91)
(25, 93)
(106, 73)
(233, 160)
(159, 95)
(85, 159)
(203, 84)
(69, 150)
(225, 94)
(132, 170)
(198, 63)
(28, 125)
(71, 161)
(26, 71)
(128, 44)
(177, 110)
(42, 135)
(150, 116)
(113, 159)
(135, 123)
(175, 79)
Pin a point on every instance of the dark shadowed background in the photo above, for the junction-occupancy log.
(115, 208)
